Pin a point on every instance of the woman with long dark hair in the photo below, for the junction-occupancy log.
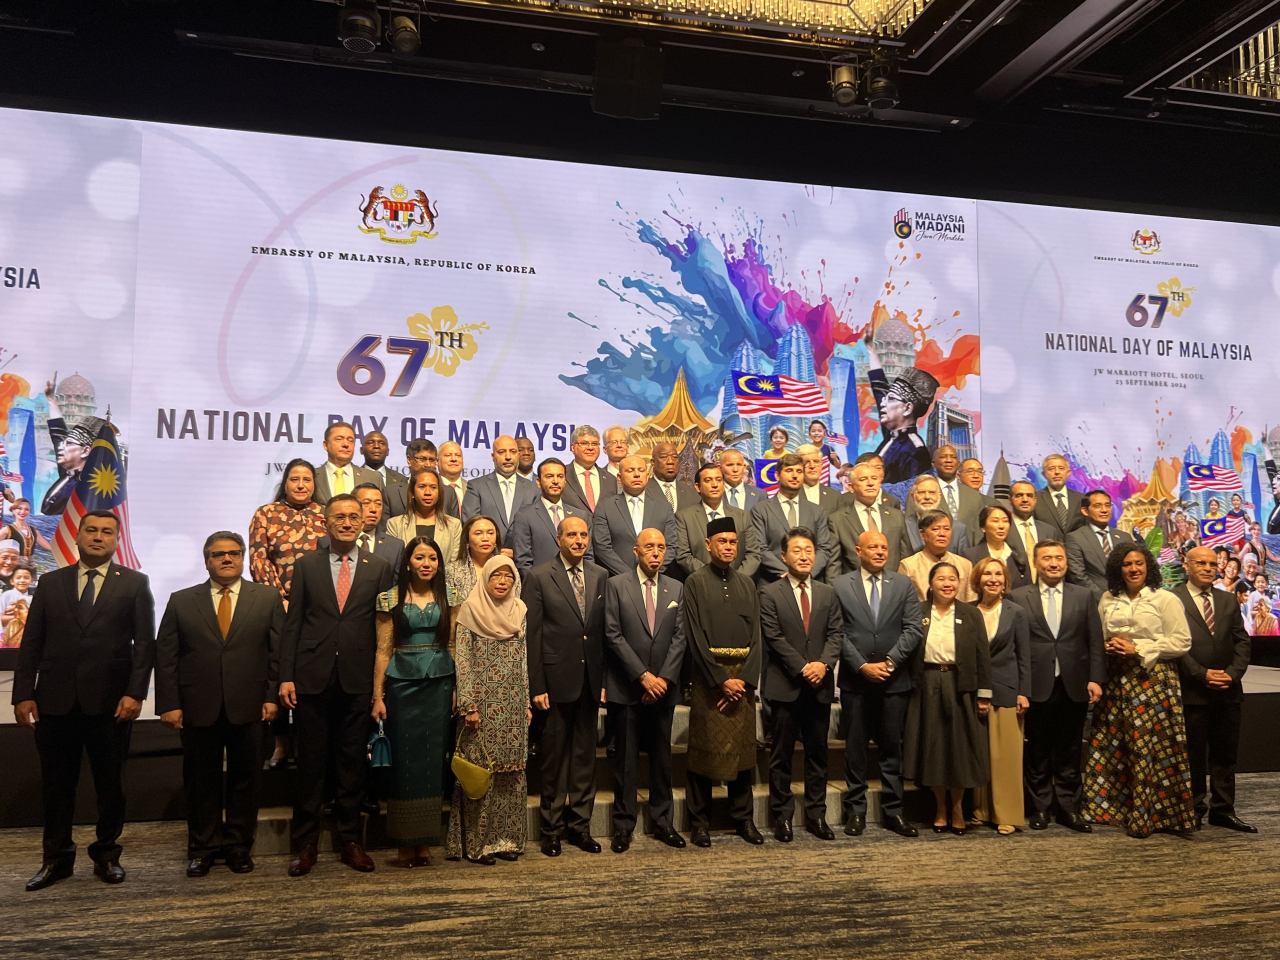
(413, 691)
(425, 516)
(1138, 775)
(480, 540)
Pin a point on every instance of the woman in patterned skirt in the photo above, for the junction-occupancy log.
(493, 700)
(1138, 775)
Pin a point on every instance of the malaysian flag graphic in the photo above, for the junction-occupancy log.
(100, 486)
(1204, 477)
(1222, 531)
(759, 394)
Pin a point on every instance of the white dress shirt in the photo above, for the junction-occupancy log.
(1026, 529)
(740, 490)
(332, 472)
(215, 591)
(811, 493)
(1154, 619)
(587, 479)
(552, 509)
(670, 492)
(82, 578)
(940, 644)
(869, 515)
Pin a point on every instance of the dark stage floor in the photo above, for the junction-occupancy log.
(1055, 894)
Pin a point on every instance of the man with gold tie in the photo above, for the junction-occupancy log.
(222, 637)
(338, 474)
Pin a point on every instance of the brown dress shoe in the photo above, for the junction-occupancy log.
(303, 861)
(353, 856)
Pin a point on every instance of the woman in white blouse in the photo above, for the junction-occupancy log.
(945, 744)
(1137, 775)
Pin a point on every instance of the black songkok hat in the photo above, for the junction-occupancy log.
(916, 387)
(721, 525)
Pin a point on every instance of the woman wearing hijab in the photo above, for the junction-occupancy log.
(493, 701)
(413, 693)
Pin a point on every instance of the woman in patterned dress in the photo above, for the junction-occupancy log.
(1138, 775)
(493, 700)
(279, 533)
(479, 541)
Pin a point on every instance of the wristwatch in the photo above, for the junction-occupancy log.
(888, 661)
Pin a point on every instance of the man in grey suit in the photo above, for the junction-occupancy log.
(373, 539)
(802, 630)
(1089, 546)
(621, 516)
(961, 501)
(868, 512)
(1057, 506)
(691, 526)
(666, 465)
(499, 495)
(644, 652)
(533, 531)
(217, 661)
(1068, 668)
(375, 448)
(586, 484)
(814, 490)
(338, 474)
(926, 495)
(877, 464)
(773, 518)
(737, 492)
(882, 627)
(1026, 530)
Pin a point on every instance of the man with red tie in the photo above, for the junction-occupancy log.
(586, 484)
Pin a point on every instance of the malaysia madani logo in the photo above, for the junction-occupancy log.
(902, 224)
(1146, 242)
(398, 217)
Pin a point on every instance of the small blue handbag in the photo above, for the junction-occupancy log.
(380, 748)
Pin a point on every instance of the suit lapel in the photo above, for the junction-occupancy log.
(637, 598)
(106, 589)
(561, 576)
(72, 585)
(204, 601)
(244, 604)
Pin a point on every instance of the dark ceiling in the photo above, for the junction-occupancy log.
(1021, 99)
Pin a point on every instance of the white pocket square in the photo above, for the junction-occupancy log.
(672, 605)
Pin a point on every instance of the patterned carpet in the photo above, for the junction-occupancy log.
(1049, 895)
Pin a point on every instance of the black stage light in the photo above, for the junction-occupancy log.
(359, 26)
(1159, 101)
(404, 33)
(880, 84)
(844, 85)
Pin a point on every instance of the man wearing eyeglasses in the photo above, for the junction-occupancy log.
(217, 656)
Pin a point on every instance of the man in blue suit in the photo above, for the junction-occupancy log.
(500, 495)
(882, 626)
(620, 517)
(534, 528)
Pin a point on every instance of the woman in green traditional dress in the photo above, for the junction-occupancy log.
(413, 691)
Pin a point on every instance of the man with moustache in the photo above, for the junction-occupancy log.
(733, 468)
(533, 531)
(1057, 506)
(1027, 531)
(499, 495)
(692, 522)
(375, 449)
(926, 495)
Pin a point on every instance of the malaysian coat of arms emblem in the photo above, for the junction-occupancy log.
(398, 216)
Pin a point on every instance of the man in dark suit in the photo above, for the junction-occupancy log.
(1089, 545)
(802, 629)
(338, 474)
(83, 672)
(501, 494)
(528, 456)
(217, 662)
(326, 678)
(372, 538)
(419, 454)
(691, 526)
(374, 447)
(962, 502)
(565, 631)
(1068, 668)
(1212, 694)
(774, 517)
(533, 531)
(882, 627)
(666, 466)
(620, 517)
(1026, 530)
(586, 485)
(1057, 506)
(814, 490)
(865, 510)
(737, 492)
(644, 651)
(926, 495)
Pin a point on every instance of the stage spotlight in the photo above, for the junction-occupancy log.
(404, 32)
(359, 26)
(1159, 101)
(880, 84)
(844, 85)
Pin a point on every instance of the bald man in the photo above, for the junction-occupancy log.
(737, 492)
(499, 495)
(620, 517)
(451, 464)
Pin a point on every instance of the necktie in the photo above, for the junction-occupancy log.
(589, 489)
(87, 595)
(344, 581)
(712, 515)
(1206, 603)
(650, 608)
(364, 543)
(871, 520)
(1030, 543)
(637, 514)
(1105, 537)
(670, 490)
(579, 591)
(1051, 614)
(506, 498)
(791, 513)
(733, 497)
(875, 598)
(556, 514)
(804, 604)
(951, 501)
(340, 480)
(224, 611)
(1062, 509)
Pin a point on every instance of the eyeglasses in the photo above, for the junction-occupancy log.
(226, 554)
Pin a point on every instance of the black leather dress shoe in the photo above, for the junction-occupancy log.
(1038, 821)
(485, 860)
(509, 855)
(748, 832)
(900, 826)
(820, 829)
(701, 837)
(621, 843)
(109, 871)
(199, 866)
(669, 837)
(551, 846)
(855, 824)
(239, 861)
(583, 841)
(48, 875)
(1073, 821)
(1231, 822)
(782, 831)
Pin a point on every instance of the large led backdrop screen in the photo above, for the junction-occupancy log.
(224, 295)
